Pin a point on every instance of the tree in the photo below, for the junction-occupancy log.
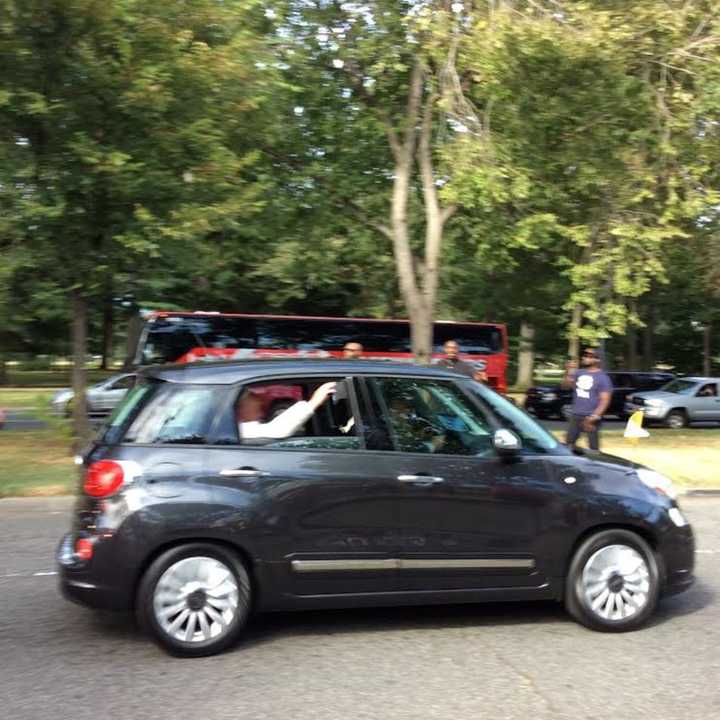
(128, 126)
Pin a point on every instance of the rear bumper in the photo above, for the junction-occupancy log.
(80, 583)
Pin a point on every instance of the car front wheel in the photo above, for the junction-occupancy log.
(676, 419)
(613, 582)
(195, 599)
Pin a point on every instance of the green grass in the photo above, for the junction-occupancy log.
(25, 397)
(36, 463)
(690, 457)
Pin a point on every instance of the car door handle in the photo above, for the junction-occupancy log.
(427, 479)
(241, 472)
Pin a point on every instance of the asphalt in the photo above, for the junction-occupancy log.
(519, 660)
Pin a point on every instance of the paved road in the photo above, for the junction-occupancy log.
(487, 661)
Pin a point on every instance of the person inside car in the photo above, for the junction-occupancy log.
(414, 433)
(249, 413)
(708, 391)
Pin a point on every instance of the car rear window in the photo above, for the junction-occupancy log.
(164, 413)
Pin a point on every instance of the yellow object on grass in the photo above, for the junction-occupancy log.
(634, 429)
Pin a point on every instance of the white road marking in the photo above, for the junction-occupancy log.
(35, 574)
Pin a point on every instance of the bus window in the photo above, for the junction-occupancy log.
(473, 339)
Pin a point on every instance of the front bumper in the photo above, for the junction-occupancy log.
(677, 550)
(650, 412)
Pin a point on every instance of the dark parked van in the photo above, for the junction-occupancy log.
(410, 486)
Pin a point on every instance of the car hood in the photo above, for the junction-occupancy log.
(656, 395)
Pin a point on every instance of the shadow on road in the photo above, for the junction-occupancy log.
(272, 627)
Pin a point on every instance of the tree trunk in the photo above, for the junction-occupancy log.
(631, 355)
(3, 369)
(108, 329)
(574, 334)
(707, 349)
(134, 329)
(526, 355)
(648, 340)
(79, 345)
(421, 334)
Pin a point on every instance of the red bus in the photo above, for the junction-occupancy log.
(190, 336)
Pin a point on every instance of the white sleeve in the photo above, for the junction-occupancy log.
(284, 425)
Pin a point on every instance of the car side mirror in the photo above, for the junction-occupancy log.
(506, 442)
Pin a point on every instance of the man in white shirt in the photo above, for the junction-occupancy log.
(250, 410)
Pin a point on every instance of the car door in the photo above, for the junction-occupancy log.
(313, 507)
(466, 518)
(705, 405)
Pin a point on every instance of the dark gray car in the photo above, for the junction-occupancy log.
(411, 486)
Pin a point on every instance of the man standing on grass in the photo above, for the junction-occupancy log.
(592, 392)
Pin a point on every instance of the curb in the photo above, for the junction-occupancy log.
(701, 492)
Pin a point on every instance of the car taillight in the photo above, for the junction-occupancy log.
(84, 549)
(103, 478)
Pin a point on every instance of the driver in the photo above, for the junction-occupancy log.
(414, 433)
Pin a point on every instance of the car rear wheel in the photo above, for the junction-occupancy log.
(676, 419)
(613, 583)
(195, 599)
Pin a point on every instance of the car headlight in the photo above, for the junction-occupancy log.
(677, 517)
(654, 403)
(62, 396)
(657, 481)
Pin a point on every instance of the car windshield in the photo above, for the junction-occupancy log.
(534, 437)
(681, 387)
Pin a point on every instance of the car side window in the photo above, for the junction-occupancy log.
(276, 414)
(427, 416)
(123, 383)
(177, 414)
(708, 390)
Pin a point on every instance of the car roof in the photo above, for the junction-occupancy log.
(698, 379)
(234, 371)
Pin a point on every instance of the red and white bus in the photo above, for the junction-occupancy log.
(180, 337)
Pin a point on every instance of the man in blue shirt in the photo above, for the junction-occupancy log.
(592, 392)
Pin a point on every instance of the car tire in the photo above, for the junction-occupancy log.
(566, 411)
(676, 420)
(613, 582)
(194, 599)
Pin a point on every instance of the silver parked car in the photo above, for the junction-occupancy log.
(101, 397)
(682, 401)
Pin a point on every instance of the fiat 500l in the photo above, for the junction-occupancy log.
(407, 486)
